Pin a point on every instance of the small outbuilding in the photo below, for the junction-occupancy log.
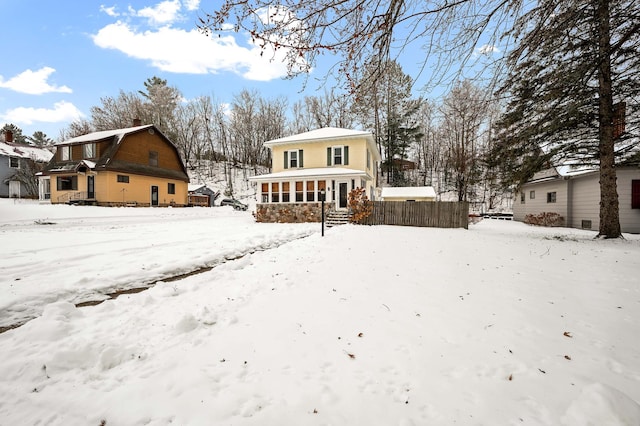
(408, 193)
(201, 195)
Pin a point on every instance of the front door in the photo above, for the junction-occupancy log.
(14, 189)
(91, 192)
(154, 196)
(343, 192)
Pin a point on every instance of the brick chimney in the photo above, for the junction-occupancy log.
(8, 136)
(137, 122)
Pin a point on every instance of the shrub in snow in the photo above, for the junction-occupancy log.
(544, 219)
(360, 206)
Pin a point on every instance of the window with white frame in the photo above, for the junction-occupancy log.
(338, 155)
(551, 197)
(293, 159)
(299, 192)
(89, 150)
(286, 194)
(14, 162)
(65, 153)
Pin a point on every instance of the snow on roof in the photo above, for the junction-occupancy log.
(326, 133)
(570, 170)
(408, 192)
(564, 171)
(195, 186)
(307, 173)
(95, 136)
(89, 164)
(42, 155)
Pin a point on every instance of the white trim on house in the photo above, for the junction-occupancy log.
(311, 184)
(320, 172)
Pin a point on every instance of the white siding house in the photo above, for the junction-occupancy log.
(575, 195)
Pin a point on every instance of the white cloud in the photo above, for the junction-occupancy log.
(61, 112)
(111, 11)
(162, 13)
(191, 4)
(33, 82)
(181, 51)
(486, 49)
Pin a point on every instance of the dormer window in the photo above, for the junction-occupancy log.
(65, 153)
(293, 159)
(89, 150)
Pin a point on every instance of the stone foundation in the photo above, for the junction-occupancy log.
(290, 212)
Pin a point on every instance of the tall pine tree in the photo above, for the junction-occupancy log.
(576, 63)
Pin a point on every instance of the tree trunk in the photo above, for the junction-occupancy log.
(609, 209)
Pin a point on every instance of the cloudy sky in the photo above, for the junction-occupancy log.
(60, 58)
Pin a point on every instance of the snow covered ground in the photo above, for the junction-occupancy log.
(499, 324)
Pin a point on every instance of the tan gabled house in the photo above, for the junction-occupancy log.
(135, 166)
(329, 161)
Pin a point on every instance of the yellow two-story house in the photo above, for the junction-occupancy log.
(327, 162)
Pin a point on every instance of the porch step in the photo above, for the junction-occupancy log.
(335, 218)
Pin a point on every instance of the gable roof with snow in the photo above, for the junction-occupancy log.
(104, 134)
(35, 153)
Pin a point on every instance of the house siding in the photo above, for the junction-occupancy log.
(315, 154)
(578, 200)
(110, 192)
(135, 149)
(539, 203)
(5, 172)
(629, 218)
(138, 189)
(586, 202)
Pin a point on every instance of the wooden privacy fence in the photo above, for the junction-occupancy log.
(435, 214)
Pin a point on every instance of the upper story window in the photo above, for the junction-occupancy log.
(532, 195)
(338, 155)
(153, 158)
(293, 159)
(551, 197)
(65, 153)
(14, 162)
(522, 197)
(89, 150)
(368, 159)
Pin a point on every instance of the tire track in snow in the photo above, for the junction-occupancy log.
(133, 288)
